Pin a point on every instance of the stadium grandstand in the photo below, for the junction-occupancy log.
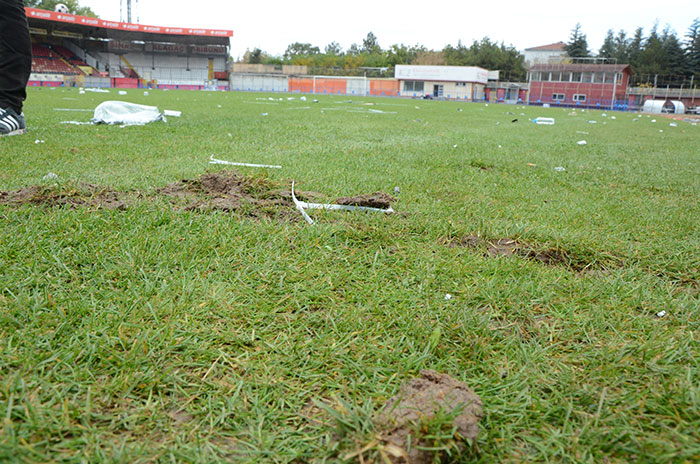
(89, 52)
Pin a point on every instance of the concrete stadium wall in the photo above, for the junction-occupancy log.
(259, 83)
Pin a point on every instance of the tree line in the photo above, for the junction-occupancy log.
(661, 53)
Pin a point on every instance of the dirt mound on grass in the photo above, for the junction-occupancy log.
(418, 407)
(85, 195)
(232, 191)
(376, 200)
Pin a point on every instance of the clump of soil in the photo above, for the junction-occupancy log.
(376, 200)
(87, 195)
(420, 401)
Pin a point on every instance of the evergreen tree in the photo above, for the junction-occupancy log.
(652, 58)
(608, 50)
(635, 48)
(578, 45)
(622, 47)
(675, 58)
(692, 49)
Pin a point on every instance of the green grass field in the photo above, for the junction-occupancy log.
(160, 334)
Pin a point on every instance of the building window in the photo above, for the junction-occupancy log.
(461, 84)
(598, 77)
(587, 77)
(579, 97)
(576, 77)
(412, 86)
(558, 97)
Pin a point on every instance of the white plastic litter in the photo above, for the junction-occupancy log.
(592, 122)
(661, 314)
(560, 169)
(544, 121)
(50, 176)
(145, 93)
(302, 98)
(77, 123)
(37, 141)
(448, 296)
(673, 124)
(582, 142)
(174, 113)
(604, 115)
(653, 120)
(302, 206)
(582, 132)
(96, 90)
(213, 160)
(129, 114)
(122, 92)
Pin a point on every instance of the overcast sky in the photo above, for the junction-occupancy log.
(272, 25)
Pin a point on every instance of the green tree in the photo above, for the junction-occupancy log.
(298, 50)
(370, 44)
(652, 58)
(578, 45)
(73, 6)
(692, 48)
(673, 50)
(333, 48)
(609, 48)
(622, 47)
(635, 48)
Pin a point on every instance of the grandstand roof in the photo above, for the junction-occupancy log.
(86, 27)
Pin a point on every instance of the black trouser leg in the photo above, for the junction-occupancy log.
(15, 54)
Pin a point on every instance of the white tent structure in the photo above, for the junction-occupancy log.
(663, 106)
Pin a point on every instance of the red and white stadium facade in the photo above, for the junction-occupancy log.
(78, 50)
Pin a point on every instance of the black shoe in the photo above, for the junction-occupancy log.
(11, 123)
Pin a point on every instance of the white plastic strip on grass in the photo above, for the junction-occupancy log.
(302, 206)
(213, 160)
(299, 206)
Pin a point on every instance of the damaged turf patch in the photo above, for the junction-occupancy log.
(85, 195)
(522, 249)
(227, 191)
(376, 200)
(431, 417)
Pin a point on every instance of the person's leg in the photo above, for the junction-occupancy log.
(15, 55)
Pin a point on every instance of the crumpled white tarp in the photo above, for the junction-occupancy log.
(119, 112)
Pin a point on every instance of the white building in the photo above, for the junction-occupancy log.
(451, 82)
(545, 54)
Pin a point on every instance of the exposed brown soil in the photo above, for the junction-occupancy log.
(375, 200)
(405, 416)
(87, 195)
(227, 191)
(512, 247)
